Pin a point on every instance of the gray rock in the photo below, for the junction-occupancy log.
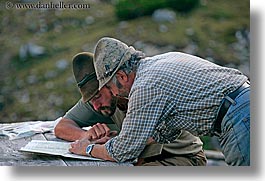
(163, 28)
(32, 79)
(191, 48)
(164, 15)
(189, 31)
(49, 85)
(89, 20)
(30, 49)
(50, 74)
(62, 64)
(123, 24)
(35, 50)
(23, 52)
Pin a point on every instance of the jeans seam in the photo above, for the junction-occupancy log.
(230, 115)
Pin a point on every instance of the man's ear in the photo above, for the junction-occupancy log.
(121, 76)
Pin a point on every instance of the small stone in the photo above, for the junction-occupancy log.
(164, 15)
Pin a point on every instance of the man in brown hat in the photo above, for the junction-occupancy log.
(169, 93)
(184, 151)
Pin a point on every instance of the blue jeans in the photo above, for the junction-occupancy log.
(235, 137)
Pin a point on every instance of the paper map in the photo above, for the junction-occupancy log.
(53, 148)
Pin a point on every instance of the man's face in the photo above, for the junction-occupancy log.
(117, 89)
(104, 103)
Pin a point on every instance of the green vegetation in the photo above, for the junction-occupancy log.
(130, 9)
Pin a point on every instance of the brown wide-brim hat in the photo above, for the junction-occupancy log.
(110, 55)
(85, 75)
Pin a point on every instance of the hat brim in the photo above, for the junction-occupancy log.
(89, 91)
(83, 68)
(126, 56)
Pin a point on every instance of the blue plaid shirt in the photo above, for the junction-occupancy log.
(171, 92)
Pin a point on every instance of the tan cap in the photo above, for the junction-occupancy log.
(110, 55)
(85, 75)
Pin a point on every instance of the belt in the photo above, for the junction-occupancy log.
(227, 101)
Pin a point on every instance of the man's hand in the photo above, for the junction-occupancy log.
(79, 146)
(150, 141)
(98, 151)
(99, 131)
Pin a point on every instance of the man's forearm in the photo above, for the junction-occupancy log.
(99, 151)
(68, 130)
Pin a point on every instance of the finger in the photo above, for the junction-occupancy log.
(91, 134)
(72, 146)
(113, 133)
(74, 143)
(107, 129)
(104, 129)
(89, 137)
(100, 130)
(150, 141)
(97, 132)
(102, 140)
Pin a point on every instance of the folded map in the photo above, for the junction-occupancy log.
(53, 148)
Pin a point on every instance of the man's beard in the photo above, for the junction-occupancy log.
(108, 110)
(123, 93)
(122, 104)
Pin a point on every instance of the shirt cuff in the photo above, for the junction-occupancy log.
(109, 148)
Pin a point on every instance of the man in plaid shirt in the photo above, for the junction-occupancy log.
(105, 114)
(168, 93)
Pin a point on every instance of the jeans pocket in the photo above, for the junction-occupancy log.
(234, 141)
